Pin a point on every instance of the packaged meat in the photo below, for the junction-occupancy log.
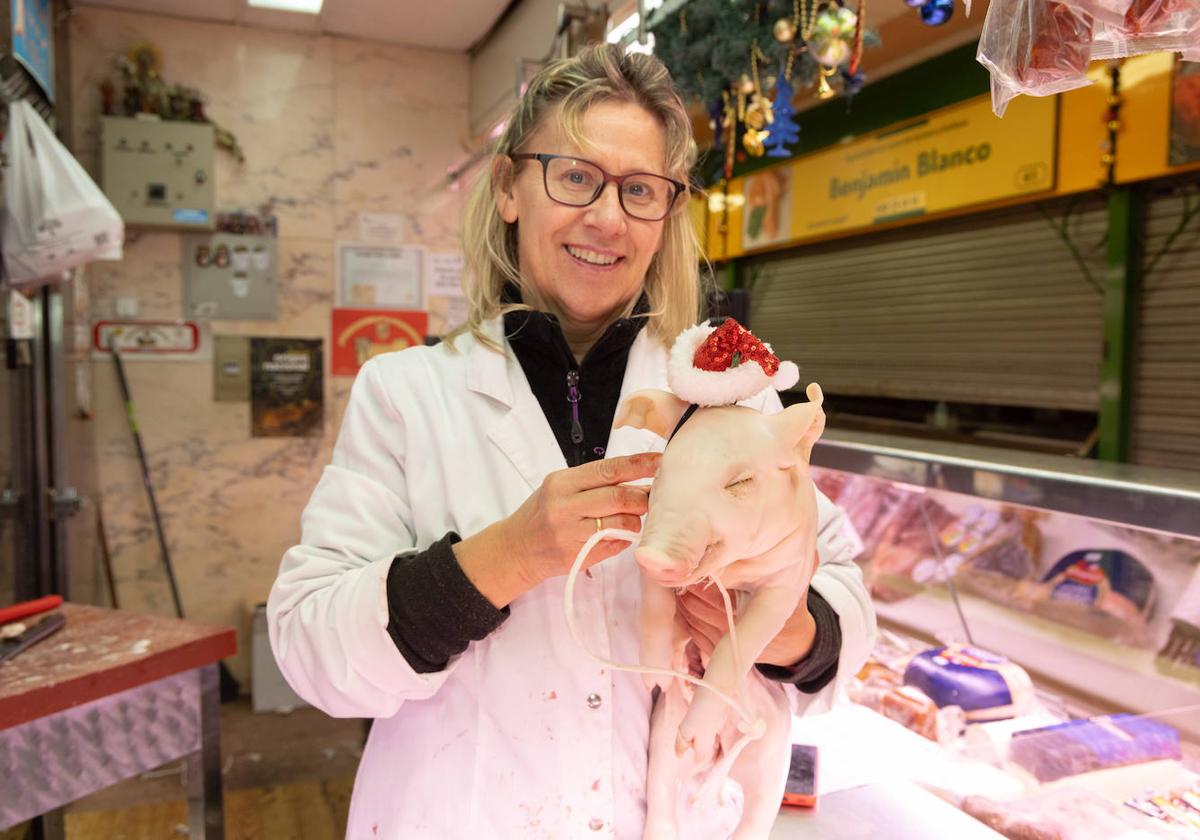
(912, 709)
(1065, 813)
(1104, 591)
(1081, 746)
(984, 685)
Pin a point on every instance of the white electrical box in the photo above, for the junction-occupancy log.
(159, 173)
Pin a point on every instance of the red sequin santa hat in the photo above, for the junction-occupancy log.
(722, 365)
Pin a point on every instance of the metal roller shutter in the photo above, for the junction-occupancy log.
(1166, 393)
(987, 309)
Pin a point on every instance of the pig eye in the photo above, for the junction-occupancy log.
(740, 486)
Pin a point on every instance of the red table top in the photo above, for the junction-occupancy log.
(101, 652)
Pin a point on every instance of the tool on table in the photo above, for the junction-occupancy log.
(47, 626)
(27, 608)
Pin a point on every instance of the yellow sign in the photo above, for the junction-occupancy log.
(955, 157)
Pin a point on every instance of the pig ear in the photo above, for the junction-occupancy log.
(651, 409)
(799, 427)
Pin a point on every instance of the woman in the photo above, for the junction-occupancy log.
(490, 722)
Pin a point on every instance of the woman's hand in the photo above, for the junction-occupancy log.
(704, 612)
(542, 538)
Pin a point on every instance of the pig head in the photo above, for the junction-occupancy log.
(732, 504)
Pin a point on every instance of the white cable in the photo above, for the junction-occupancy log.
(569, 612)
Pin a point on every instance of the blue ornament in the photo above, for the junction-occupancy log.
(937, 12)
(916, 4)
(784, 129)
(852, 82)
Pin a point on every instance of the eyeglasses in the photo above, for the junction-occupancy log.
(578, 183)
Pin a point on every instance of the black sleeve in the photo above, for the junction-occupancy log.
(820, 665)
(434, 611)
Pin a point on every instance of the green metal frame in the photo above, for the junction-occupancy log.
(1122, 288)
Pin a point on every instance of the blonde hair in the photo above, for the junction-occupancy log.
(600, 73)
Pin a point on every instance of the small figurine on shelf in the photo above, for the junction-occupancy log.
(145, 92)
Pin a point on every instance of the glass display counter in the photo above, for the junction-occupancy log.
(1040, 630)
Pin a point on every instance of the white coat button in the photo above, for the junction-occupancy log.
(595, 823)
(593, 701)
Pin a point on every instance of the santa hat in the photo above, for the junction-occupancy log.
(711, 365)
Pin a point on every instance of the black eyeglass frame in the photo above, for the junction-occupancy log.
(619, 180)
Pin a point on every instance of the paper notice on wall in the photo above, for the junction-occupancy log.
(382, 276)
(444, 291)
(446, 313)
(445, 274)
(382, 227)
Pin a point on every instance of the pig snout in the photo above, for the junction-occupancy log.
(671, 551)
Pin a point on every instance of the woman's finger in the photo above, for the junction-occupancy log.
(703, 607)
(605, 501)
(609, 471)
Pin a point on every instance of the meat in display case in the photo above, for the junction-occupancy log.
(1039, 615)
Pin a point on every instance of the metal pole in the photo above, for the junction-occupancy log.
(146, 482)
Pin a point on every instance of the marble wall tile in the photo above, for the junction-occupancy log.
(401, 124)
(331, 128)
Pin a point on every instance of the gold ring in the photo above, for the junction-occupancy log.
(599, 526)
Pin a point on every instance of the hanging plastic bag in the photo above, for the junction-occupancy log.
(55, 217)
(1036, 47)
(1102, 11)
(1149, 26)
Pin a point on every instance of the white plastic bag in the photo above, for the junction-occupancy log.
(55, 217)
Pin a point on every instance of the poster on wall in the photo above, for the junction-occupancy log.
(380, 276)
(287, 393)
(767, 214)
(1185, 114)
(32, 43)
(360, 334)
(444, 297)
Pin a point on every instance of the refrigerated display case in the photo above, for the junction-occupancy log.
(1040, 632)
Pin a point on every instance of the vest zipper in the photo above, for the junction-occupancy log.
(576, 427)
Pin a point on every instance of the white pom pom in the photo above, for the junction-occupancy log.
(787, 376)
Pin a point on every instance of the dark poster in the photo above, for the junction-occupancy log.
(286, 387)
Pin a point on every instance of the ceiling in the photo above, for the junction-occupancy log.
(454, 26)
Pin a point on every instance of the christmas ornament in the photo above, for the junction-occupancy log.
(784, 31)
(753, 142)
(824, 89)
(937, 12)
(784, 129)
(757, 114)
(722, 365)
(833, 35)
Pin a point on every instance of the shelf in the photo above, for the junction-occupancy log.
(1144, 497)
(1119, 677)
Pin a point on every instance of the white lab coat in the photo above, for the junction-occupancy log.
(522, 736)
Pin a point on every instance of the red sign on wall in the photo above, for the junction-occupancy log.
(359, 334)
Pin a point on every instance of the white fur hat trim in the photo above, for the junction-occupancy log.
(726, 387)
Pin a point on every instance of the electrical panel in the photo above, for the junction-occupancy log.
(159, 173)
(230, 276)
